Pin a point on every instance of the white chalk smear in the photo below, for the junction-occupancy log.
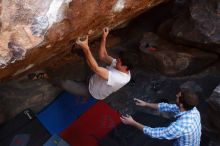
(24, 69)
(119, 6)
(68, 1)
(54, 10)
(4, 61)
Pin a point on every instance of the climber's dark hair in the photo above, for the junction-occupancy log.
(128, 58)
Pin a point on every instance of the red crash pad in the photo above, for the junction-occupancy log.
(92, 126)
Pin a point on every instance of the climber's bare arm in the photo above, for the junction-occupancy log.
(103, 54)
(101, 71)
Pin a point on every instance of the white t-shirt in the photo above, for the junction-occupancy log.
(100, 88)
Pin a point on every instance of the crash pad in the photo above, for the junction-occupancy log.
(63, 111)
(23, 130)
(92, 126)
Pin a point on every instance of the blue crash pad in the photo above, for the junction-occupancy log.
(56, 140)
(63, 111)
(23, 130)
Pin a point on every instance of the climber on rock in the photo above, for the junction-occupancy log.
(105, 80)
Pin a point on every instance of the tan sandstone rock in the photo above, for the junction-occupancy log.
(33, 32)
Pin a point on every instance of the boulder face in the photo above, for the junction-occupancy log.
(213, 113)
(199, 25)
(171, 59)
(214, 99)
(35, 31)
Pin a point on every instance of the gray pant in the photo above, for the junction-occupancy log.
(73, 87)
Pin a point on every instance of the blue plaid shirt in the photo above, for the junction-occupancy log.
(186, 130)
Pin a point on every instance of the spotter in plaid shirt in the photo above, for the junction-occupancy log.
(186, 130)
